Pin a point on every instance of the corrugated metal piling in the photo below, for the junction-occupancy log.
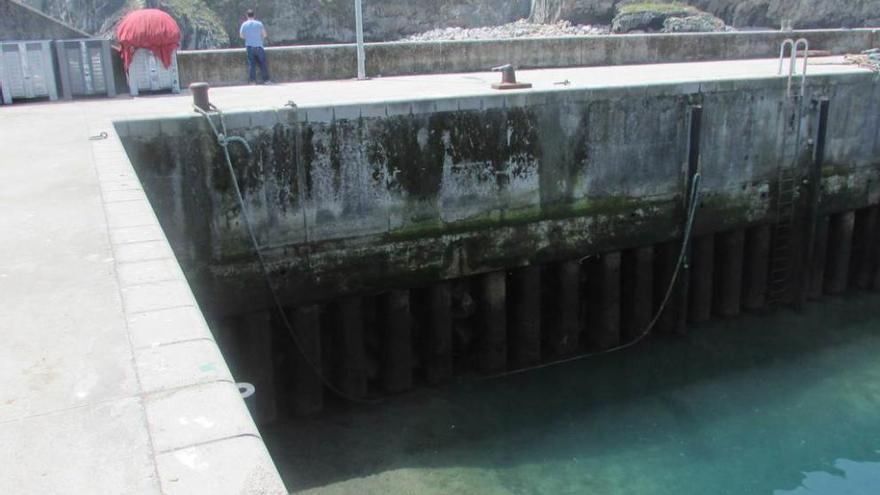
(729, 250)
(756, 264)
(350, 363)
(525, 316)
(493, 321)
(436, 324)
(306, 386)
(702, 279)
(636, 292)
(563, 309)
(396, 341)
(840, 239)
(603, 307)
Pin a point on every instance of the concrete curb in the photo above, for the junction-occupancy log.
(204, 439)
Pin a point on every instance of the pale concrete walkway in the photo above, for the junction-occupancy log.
(110, 381)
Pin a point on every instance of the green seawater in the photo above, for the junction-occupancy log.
(775, 404)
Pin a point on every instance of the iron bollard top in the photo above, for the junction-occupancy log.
(200, 95)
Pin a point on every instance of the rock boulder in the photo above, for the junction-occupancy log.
(666, 17)
(699, 23)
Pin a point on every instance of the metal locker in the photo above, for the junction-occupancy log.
(147, 73)
(26, 70)
(86, 67)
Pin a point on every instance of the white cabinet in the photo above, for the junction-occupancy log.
(147, 73)
(26, 70)
(86, 68)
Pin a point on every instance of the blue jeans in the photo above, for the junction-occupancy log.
(256, 55)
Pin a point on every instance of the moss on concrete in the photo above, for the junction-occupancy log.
(507, 217)
(836, 171)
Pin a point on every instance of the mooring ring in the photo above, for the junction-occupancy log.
(246, 389)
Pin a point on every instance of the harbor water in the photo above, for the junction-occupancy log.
(785, 403)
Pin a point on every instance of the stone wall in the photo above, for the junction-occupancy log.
(225, 67)
(358, 198)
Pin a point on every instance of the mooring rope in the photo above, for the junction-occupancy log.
(224, 140)
(693, 204)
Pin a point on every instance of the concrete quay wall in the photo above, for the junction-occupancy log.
(353, 199)
(323, 62)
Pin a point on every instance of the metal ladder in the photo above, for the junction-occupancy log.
(781, 252)
(792, 66)
(781, 255)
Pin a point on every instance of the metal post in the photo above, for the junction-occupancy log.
(200, 95)
(359, 21)
(814, 193)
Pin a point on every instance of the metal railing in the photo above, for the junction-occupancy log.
(359, 30)
(792, 68)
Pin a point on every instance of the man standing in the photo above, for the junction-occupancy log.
(253, 33)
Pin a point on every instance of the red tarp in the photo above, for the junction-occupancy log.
(151, 29)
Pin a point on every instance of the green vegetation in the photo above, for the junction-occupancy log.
(660, 7)
(197, 20)
(339, 9)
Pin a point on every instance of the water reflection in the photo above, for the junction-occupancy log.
(744, 406)
(848, 478)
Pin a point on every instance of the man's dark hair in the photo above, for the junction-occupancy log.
(250, 13)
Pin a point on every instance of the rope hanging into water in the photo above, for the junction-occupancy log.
(224, 140)
(693, 204)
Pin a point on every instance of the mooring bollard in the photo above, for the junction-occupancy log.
(200, 95)
(508, 78)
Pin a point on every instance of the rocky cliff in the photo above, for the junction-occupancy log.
(737, 13)
(214, 23)
(803, 13)
(19, 22)
(333, 20)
